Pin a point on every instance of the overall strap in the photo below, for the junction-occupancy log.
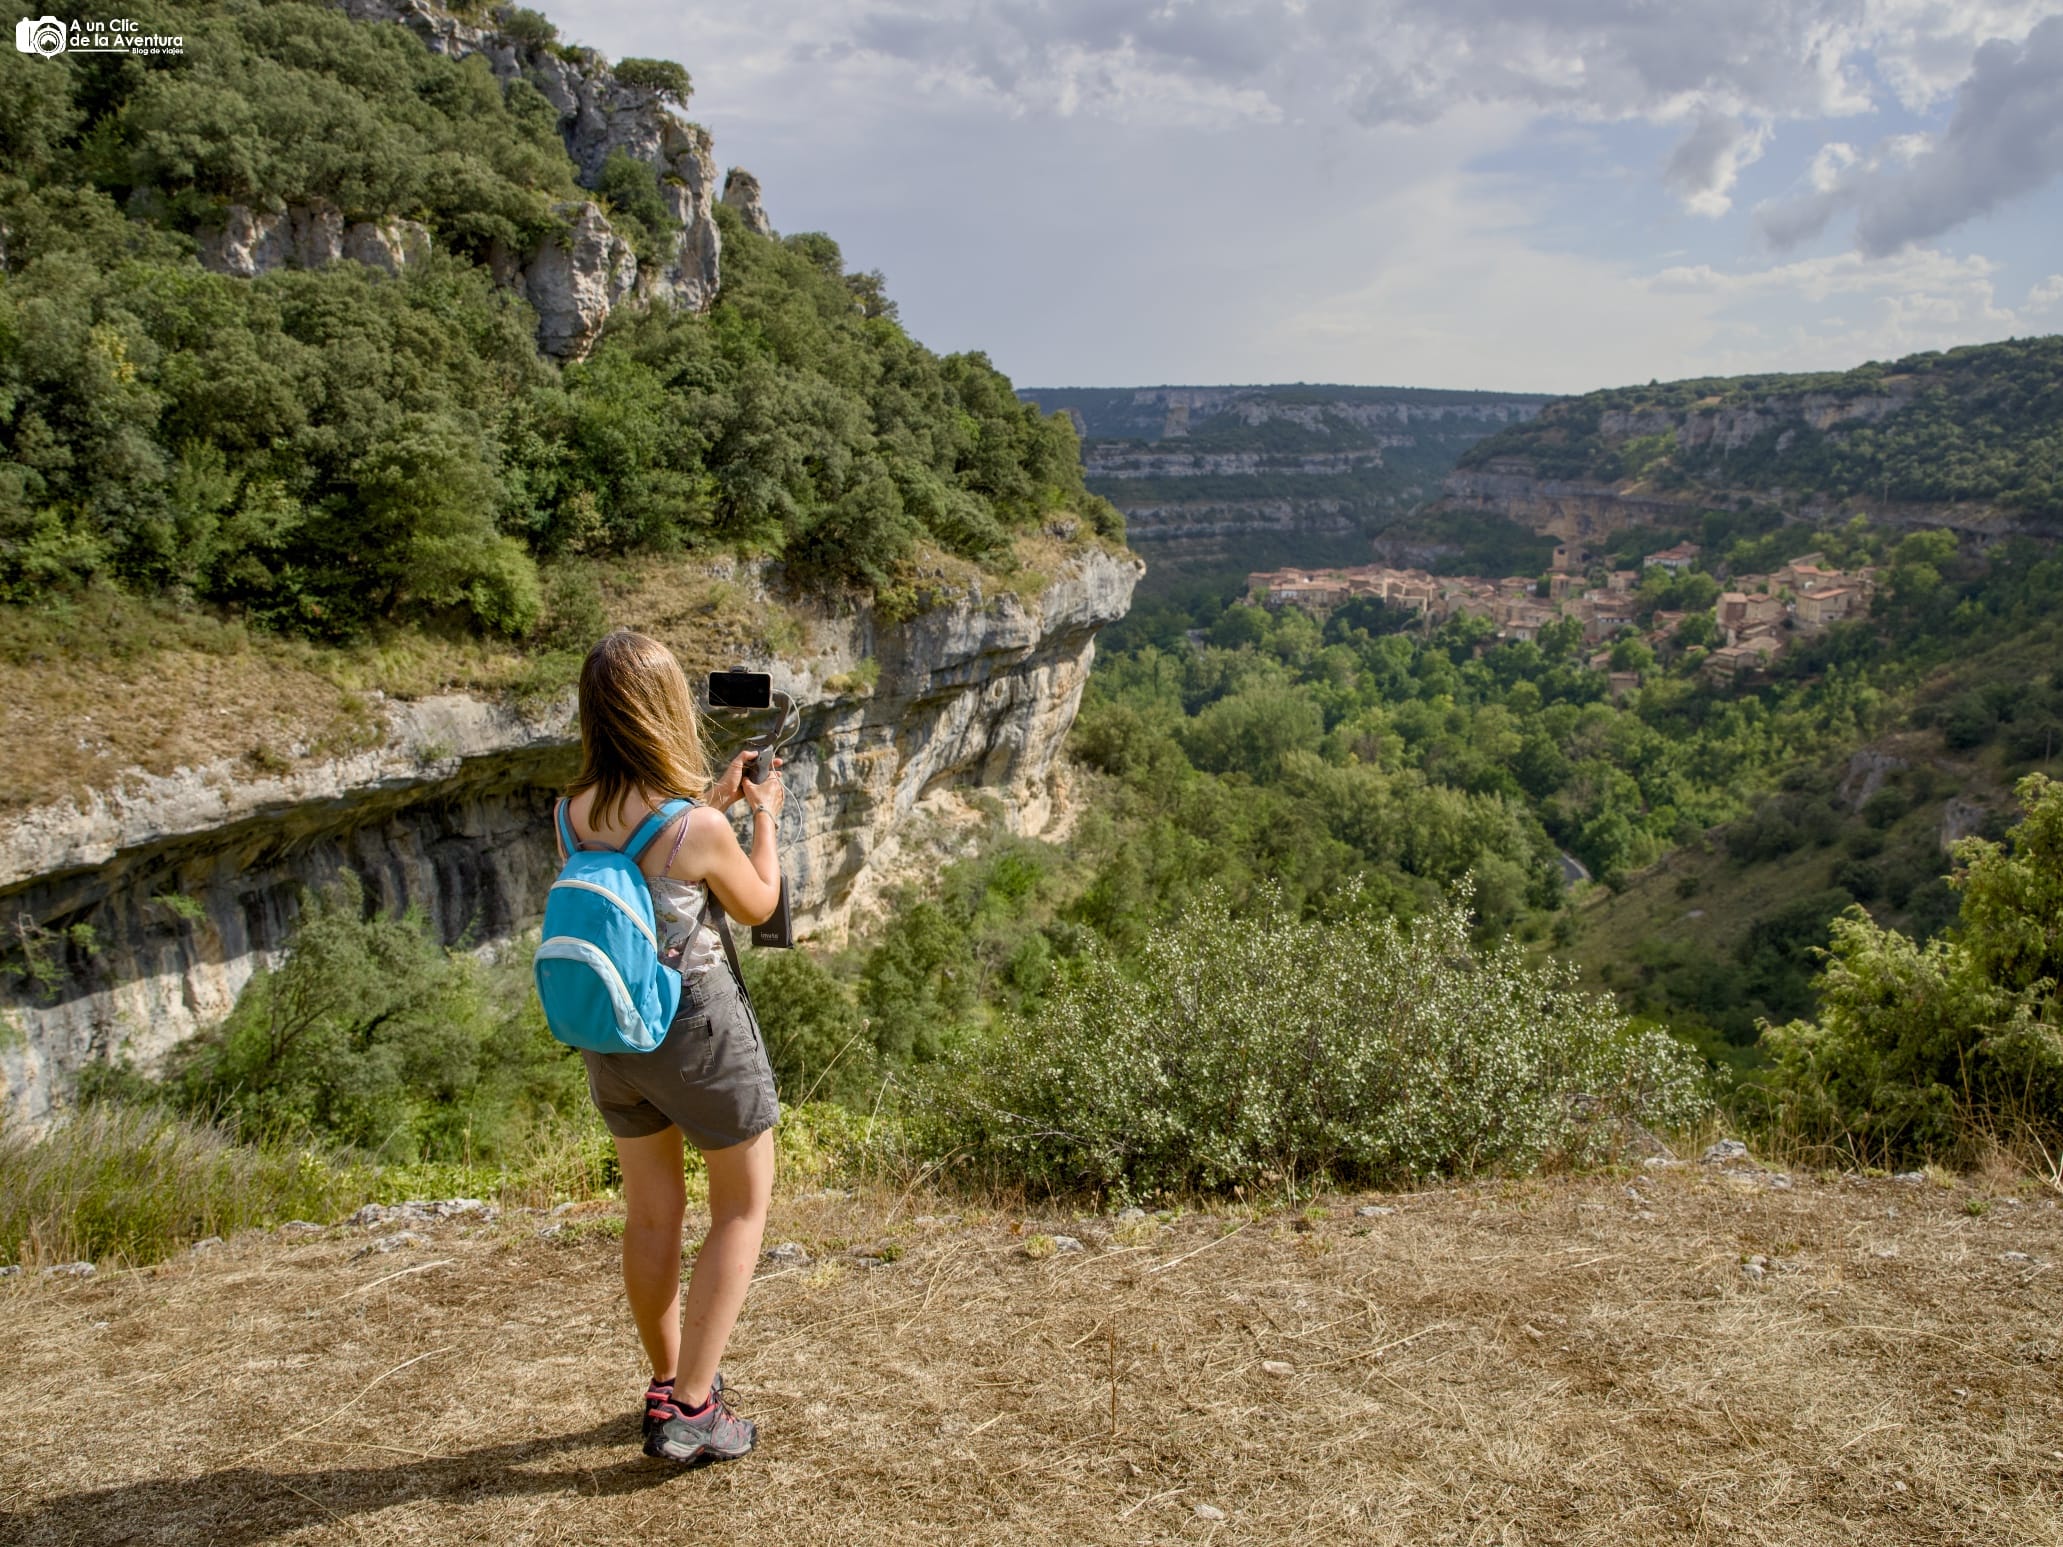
(730, 952)
(652, 826)
(568, 844)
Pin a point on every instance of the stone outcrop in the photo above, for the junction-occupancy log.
(599, 117)
(249, 242)
(577, 278)
(741, 193)
(391, 244)
(188, 881)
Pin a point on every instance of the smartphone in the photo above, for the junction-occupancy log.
(740, 690)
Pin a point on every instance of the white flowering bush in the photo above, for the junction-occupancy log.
(1270, 1048)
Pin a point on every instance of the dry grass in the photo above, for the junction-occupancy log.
(145, 687)
(1532, 1362)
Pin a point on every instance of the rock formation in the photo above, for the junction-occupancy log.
(1207, 475)
(599, 116)
(576, 279)
(741, 193)
(189, 880)
(249, 242)
(1724, 451)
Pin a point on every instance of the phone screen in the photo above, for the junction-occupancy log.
(740, 690)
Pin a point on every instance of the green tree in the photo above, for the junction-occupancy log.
(1924, 1050)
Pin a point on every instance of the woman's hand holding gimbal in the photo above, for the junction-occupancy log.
(771, 792)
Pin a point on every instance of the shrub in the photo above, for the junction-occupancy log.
(816, 1040)
(369, 1033)
(520, 24)
(668, 79)
(1270, 1048)
(1924, 1050)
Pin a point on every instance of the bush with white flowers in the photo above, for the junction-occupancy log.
(1274, 1049)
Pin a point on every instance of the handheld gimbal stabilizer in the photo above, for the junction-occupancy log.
(747, 711)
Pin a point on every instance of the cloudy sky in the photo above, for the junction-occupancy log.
(1528, 194)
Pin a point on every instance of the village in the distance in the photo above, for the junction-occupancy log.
(1747, 626)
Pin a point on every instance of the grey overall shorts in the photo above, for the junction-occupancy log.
(710, 1076)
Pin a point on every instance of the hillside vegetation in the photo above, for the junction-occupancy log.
(1981, 424)
(329, 452)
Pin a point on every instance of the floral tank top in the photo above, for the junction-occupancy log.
(680, 910)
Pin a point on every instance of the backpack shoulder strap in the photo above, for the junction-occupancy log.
(568, 844)
(652, 826)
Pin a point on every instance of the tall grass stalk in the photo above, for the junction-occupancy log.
(138, 1183)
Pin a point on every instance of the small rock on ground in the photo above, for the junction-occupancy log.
(1277, 1367)
(1209, 1512)
(388, 1243)
(1725, 1153)
(420, 1210)
(789, 1254)
(1374, 1210)
(1066, 1243)
(1130, 1216)
(69, 1270)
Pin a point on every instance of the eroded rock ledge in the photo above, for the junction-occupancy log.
(188, 881)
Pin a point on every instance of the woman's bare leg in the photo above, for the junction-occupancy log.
(741, 1184)
(655, 1205)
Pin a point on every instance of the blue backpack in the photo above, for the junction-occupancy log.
(598, 971)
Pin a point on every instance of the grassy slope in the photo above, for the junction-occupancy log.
(1514, 1362)
(1701, 898)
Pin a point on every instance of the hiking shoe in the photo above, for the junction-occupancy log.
(715, 1434)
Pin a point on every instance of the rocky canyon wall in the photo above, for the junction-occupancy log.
(186, 883)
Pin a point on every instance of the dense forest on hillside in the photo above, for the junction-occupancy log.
(327, 451)
(1979, 423)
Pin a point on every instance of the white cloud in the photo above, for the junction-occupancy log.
(2004, 140)
(1843, 308)
(1127, 191)
(1708, 162)
(2045, 295)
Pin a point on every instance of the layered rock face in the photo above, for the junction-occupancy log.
(1206, 475)
(1700, 444)
(309, 236)
(577, 276)
(187, 882)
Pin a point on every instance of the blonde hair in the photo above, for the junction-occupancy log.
(638, 725)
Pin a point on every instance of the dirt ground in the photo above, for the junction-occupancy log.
(1583, 1361)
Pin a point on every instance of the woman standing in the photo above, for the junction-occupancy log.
(641, 746)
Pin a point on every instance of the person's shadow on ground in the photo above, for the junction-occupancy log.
(241, 1505)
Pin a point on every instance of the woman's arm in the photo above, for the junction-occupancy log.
(748, 885)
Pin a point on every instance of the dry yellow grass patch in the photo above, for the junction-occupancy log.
(1579, 1362)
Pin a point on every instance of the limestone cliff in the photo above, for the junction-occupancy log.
(576, 276)
(1960, 439)
(1248, 476)
(186, 881)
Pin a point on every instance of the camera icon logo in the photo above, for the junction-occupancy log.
(43, 35)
